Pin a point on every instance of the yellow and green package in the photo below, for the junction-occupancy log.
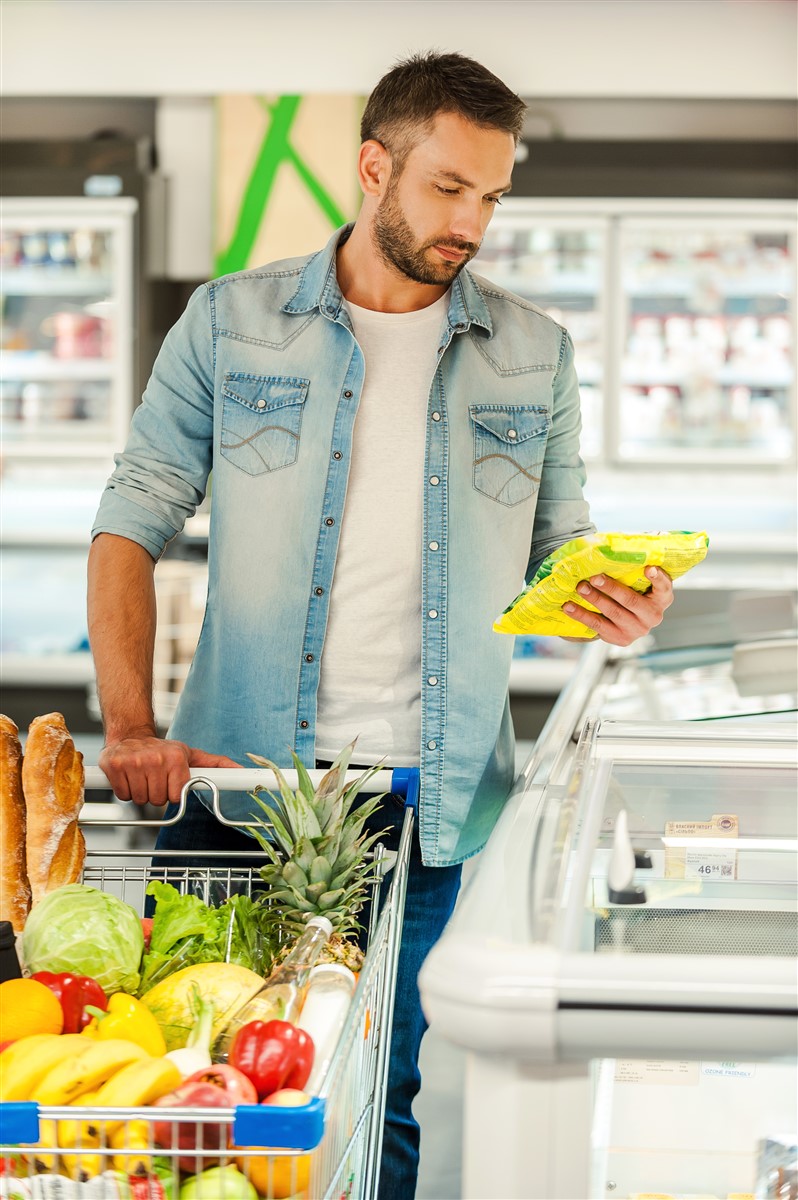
(622, 556)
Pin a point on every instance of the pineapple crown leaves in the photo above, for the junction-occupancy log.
(315, 843)
(309, 813)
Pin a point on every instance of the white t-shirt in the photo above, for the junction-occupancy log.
(369, 684)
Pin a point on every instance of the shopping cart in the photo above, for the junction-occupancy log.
(327, 1149)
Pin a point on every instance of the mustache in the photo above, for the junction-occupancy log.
(449, 244)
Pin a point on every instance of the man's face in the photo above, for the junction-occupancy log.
(431, 219)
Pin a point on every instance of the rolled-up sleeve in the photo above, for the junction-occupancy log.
(562, 512)
(162, 474)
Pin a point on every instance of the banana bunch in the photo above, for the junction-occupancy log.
(61, 1070)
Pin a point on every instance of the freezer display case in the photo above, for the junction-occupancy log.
(66, 344)
(755, 680)
(682, 315)
(705, 338)
(621, 968)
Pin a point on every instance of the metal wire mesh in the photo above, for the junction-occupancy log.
(697, 931)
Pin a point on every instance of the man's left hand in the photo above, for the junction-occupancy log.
(623, 614)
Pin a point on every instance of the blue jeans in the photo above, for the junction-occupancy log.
(431, 895)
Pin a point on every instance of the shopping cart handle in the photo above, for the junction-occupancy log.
(19, 1122)
(297, 1128)
(406, 781)
(235, 779)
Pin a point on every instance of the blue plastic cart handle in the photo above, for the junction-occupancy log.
(297, 1128)
(406, 781)
(19, 1122)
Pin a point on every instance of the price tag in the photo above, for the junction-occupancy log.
(702, 861)
(710, 864)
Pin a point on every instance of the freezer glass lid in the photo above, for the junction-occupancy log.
(691, 858)
(706, 682)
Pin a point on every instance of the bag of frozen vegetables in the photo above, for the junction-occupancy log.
(622, 556)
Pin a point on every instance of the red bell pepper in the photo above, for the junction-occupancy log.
(74, 992)
(273, 1054)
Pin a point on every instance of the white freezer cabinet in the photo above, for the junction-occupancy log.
(621, 968)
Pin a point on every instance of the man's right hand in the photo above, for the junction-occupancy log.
(153, 770)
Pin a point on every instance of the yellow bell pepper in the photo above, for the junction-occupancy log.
(129, 1019)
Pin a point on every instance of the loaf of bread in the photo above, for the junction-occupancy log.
(52, 781)
(14, 887)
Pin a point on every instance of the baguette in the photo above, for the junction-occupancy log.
(14, 886)
(52, 780)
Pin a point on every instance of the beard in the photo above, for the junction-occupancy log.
(399, 249)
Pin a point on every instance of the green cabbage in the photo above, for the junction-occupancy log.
(88, 932)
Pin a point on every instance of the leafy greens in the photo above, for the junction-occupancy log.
(186, 931)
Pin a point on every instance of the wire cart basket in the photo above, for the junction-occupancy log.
(326, 1149)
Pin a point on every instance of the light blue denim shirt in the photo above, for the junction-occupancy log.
(259, 381)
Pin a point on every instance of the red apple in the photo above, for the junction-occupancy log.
(217, 1086)
(287, 1098)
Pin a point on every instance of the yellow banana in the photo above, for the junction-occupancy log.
(136, 1085)
(76, 1134)
(87, 1071)
(83, 1165)
(132, 1136)
(26, 1063)
(45, 1154)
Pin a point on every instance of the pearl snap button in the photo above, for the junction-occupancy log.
(433, 545)
(511, 433)
(433, 612)
(432, 745)
(261, 404)
(433, 679)
(436, 416)
(434, 480)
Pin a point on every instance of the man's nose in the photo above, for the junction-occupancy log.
(469, 222)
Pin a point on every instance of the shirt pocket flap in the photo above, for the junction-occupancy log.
(264, 393)
(511, 425)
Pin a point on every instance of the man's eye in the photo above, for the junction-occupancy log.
(493, 199)
(447, 191)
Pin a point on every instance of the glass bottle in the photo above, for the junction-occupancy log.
(280, 998)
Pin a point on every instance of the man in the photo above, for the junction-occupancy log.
(395, 448)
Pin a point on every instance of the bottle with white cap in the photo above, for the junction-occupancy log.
(323, 1016)
(281, 997)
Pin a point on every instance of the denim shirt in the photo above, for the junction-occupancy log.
(259, 381)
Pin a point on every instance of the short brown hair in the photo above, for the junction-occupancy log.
(406, 101)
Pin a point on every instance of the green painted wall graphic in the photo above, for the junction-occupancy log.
(295, 153)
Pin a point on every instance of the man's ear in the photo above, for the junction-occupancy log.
(373, 168)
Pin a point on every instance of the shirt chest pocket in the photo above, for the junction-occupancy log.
(509, 446)
(261, 420)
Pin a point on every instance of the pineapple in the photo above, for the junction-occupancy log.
(317, 850)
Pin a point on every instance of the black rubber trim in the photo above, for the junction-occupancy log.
(611, 1006)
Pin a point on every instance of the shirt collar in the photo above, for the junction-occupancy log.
(318, 288)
